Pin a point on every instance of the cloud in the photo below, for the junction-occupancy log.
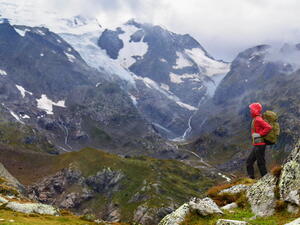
(223, 27)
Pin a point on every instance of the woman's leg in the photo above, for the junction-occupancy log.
(250, 162)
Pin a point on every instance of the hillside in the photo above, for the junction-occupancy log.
(105, 185)
(272, 199)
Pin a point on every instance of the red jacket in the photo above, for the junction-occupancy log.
(260, 126)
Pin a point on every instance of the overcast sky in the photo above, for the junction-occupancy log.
(223, 27)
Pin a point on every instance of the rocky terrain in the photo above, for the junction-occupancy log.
(273, 199)
(105, 186)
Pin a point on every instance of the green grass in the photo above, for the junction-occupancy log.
(162, 181)
(243, 215)
(35, 219)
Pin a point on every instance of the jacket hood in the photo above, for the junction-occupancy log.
(255, 109)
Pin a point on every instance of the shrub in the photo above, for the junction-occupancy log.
(276, 170)
(280, 206)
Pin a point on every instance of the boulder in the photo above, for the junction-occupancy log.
(230, 206)
(176, 217)
(292, 208)
(261, 196)
(230, 222)
(32, 208)
(106, 181)
(295, 222)
(235, 189)
(204, 207)
(10, 179)
(289, 183)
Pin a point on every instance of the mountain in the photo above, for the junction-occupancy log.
(47, 85)
(173, 73)
(220, 129)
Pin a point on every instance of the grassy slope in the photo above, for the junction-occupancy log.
(243, 212)
(243, 215)
(164, 180)
(35, 219)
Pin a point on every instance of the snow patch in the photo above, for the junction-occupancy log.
(130, 49)
(47, 104)
(24, 116)
(86, 46)
(3, 72)
(181, 61)
(187, 106)
(211, 66)
(16, 116)
(70, 57)
(165, 86)
(179, 78)
(21, 32)
(23, 91)
(175, 78)
(42, 54)
(163, 60)
(134, 100)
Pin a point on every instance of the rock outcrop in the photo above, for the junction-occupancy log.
(295, 222)
(32, 208)
(10, 179)
(289, 183)
(261, 196)
(204, 207)
(230, 222)
(235, 189)
(176, 217)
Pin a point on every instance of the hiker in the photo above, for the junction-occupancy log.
(259, 129)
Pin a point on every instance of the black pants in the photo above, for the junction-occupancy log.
(257, 154)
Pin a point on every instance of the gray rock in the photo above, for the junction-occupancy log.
(204, 206)
(176, 217)
(230, 222)
(235, 189)
(261, 196)
(292, 209)
(295, 222)
(289, 183)
(112, 213)
(106, 181)
(230, 206)
(32, 208)
(10, 179)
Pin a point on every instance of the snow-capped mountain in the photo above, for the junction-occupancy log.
(47, 88)
(167, 75)
(175, 68)
(264, 74)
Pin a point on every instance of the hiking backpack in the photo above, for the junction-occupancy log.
(271, 118)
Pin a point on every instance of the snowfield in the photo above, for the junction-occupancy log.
(130, 49)
(23, 91)
(3, 72)
(47, 104)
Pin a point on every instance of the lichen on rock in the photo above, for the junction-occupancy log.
(261, 196)
(289, 183)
